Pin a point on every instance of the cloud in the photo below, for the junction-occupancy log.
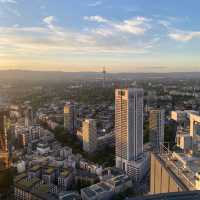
(49, 20)
(94, 4)
(52, 40)
(102, 32)
(137, 26)
(184, 36)
(95, 18)
(8, 1)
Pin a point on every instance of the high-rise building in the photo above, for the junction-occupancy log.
(156, 127)
(28, 117)
(70, 118)
(4, 152)
(89, 135)
(129, 132)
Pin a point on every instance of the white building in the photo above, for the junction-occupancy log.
(129, 130)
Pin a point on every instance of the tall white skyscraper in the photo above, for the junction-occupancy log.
(156, 127)
(129, 131)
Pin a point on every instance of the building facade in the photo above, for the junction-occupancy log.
(89, 135)
(129, 130)
(70, 118)
(156, 127)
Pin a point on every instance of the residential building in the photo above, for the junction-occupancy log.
(156, 127)
(70, 118)
(89, 135)
(129, 132)
(28, 120)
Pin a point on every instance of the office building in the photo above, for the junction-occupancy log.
(70, 118)
(129, 132)
(28, 117)
(156, 127)
(89, 135)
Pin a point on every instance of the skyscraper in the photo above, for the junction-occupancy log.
(89, 135)
(156, 127)
(28, 117)
(70, 117)
(129, 131)
(4, 154)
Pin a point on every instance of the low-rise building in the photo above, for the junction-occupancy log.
(65, 179)
(99, 191)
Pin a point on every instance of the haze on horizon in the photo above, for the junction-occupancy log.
(123, 35)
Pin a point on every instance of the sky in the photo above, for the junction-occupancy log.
(87, 35)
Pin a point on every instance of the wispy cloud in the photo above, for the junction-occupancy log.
(53, 39)
(135, 26)
(8, 1)
(94, 4)
(95, 18)
(184, 36)
(138, 25)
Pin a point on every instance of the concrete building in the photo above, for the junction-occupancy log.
(174, 172)
(99, 191)
(89, 135)
(184, 141)
(28, 119)
(70, 118)
(194, 195)
(69, 195)
(26, 188)
(156, 127)
(65, 179)
(129, 131)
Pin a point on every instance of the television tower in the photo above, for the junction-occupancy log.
(104, 76)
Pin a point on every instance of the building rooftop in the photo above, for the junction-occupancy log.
(49, 170)
(65, 173)
(69, 195)
(118, 180)
(183, 167)
(27, 183)
(20, 177)
(35, 168)
(194, 195)
(96, 189)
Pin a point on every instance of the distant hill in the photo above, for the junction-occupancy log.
(17, 75)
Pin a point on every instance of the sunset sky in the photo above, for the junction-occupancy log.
(85, 35)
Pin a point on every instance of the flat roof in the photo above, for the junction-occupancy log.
(194, 195)
(28, 183)
(96, 189)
